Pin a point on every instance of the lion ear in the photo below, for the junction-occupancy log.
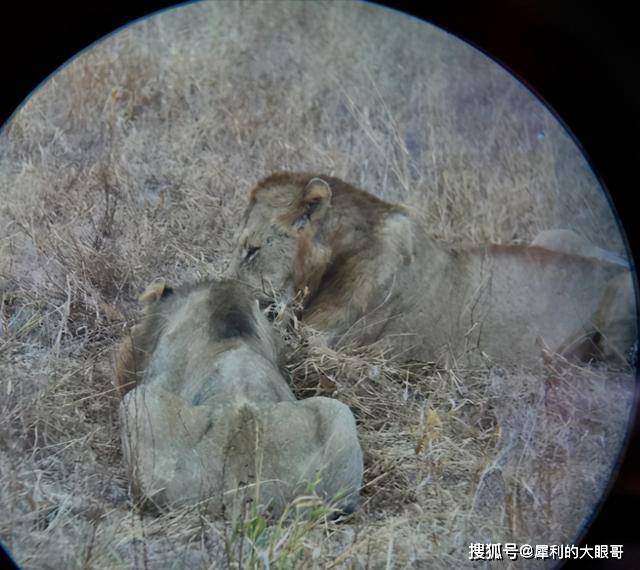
(316, 200)
(155, 291)
(317, 190)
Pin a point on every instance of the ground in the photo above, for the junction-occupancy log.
(134, 161)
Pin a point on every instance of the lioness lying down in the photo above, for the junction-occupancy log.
(367, 270)
(207, 416)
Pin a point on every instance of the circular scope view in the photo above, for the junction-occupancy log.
(302, 285)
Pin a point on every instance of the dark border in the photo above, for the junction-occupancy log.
(578, 57)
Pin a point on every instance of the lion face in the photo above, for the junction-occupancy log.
(264, 254)
(280, 248)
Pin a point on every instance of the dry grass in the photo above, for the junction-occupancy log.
(133, 162)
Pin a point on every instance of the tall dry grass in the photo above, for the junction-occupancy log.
(133, 162)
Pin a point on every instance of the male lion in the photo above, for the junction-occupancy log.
(368, 271)
(208, 418)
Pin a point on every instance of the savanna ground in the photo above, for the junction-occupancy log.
(133, 162)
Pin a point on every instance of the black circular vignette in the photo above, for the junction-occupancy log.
(579, 57)
(5, 560)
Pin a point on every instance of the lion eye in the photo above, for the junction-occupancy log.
(251, 252)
